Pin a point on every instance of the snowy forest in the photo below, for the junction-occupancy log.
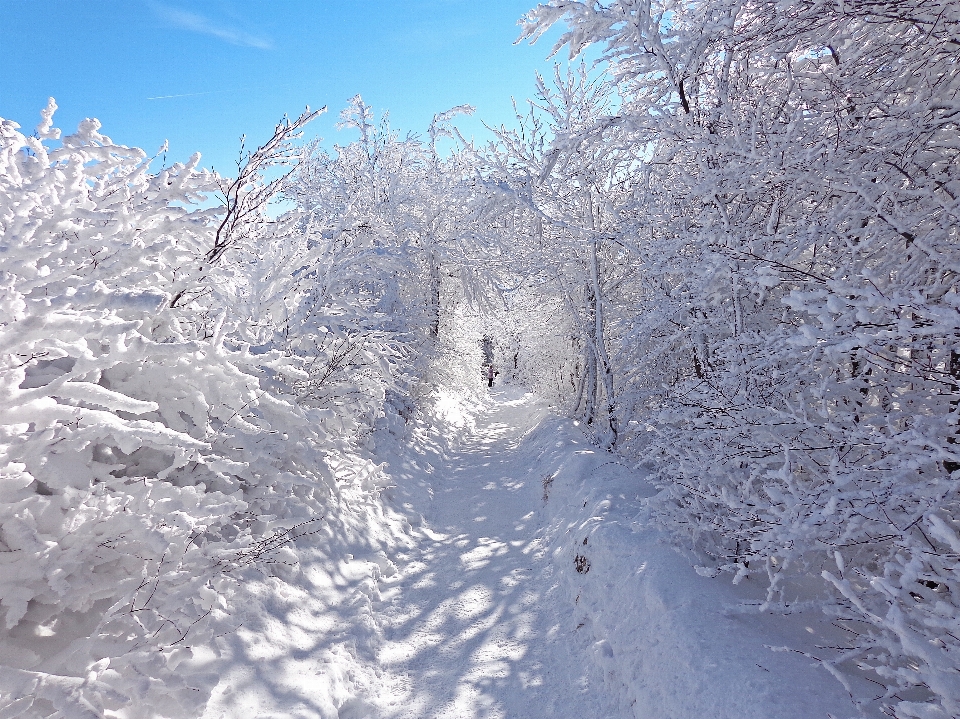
(728, 251)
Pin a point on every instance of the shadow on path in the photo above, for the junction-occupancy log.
(471, 626)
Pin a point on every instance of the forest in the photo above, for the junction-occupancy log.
(729, 250)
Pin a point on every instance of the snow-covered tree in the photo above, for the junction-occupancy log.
(378, 216)
(792, 361)
(565, 168)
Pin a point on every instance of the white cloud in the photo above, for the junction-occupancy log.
(196, 22)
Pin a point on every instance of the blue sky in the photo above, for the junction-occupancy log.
(202, 73)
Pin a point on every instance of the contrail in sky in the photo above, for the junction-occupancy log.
(216, 92)
(189, 94)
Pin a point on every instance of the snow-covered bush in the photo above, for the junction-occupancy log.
(154, 441)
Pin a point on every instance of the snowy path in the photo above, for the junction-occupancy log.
(489, 617)
(471, 629)
(472, 595)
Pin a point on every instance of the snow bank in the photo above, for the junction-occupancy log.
(672, 643)
(309, 637)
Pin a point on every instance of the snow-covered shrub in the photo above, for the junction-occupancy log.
(149, 451)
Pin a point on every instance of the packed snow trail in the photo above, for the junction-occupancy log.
(513, 573)
(472, 630)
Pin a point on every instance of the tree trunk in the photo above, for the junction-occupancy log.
(601, 357)
(954, 369)
(590, 355)
(433, 300)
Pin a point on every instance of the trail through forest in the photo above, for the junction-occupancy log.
(528, 583)
(474, 628)
(248, 467)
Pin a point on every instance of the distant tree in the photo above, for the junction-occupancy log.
(566, 166)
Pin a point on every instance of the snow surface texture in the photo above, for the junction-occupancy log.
(518, 578)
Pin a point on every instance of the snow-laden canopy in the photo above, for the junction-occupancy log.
(729, 251)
